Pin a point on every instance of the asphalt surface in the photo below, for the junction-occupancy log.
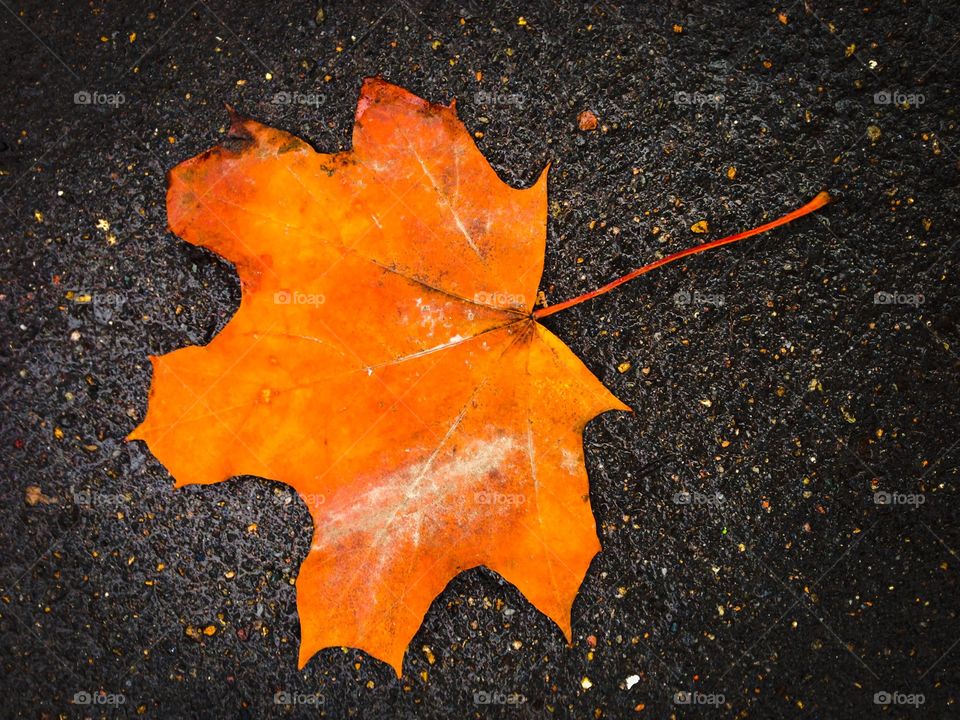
(771, 381)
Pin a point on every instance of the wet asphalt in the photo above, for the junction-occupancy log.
(779, 515)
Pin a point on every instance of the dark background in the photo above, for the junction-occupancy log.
(797, 398)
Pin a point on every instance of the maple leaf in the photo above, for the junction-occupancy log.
(386, 362)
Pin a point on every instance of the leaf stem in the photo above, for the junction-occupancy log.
(818, 202)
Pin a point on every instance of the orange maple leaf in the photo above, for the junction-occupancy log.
(386, 362)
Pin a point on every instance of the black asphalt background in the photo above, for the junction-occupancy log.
(797, 398)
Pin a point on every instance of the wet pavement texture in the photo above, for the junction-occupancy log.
(778, 517)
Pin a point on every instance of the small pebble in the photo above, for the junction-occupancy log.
(587, 121)
(34, 495)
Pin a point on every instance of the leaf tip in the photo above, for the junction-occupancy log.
(566, 627)
(542, 179)
(239, 126)
(236, 119)
(397, 667)
(613, 403)
(232, 112)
